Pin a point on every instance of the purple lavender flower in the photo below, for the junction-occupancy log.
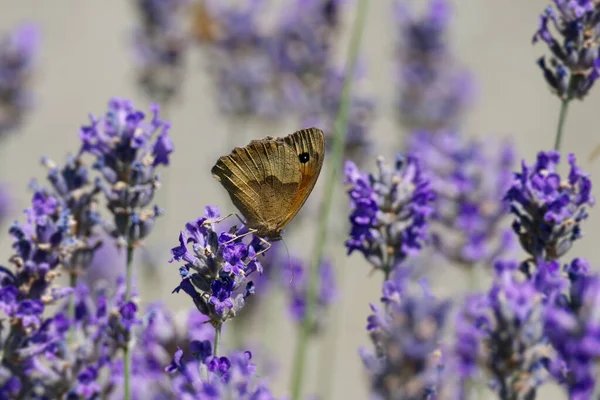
(433, 89)
(127, 151)
(406, 335)
(303, 45)
(161, 44)
(297, 292)
(241, 60)
(470, 184)
(72, 187)
(574, 64)
(549, 210)
(571, 325)
(322, 112)
(502, 334)
(217, 288)
(17, 52)
(389, 211)
(213, 377)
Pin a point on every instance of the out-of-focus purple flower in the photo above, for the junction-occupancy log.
(297, 292)
(127, 150)
(211, 377)
(303, 43)
(574, 334)
(406, 335)
(502, 334)
(217, 288)
(160, 47)
(549, 209)
(17, 61)
(470, 181)
(574, 64)
(322, 112)
(433, 89)
(389, 211)
(241, 62)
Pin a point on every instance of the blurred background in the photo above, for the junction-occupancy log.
(87, 55)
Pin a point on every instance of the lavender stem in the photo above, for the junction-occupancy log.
(561, 123)
(217, 339)
(126, 353)
(341, 127)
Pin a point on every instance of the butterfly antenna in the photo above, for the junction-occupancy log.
(289, 260)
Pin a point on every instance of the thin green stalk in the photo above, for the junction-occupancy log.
(561, 123)
(328, 356)
(217, 339)
(126, 352)
(331, 183)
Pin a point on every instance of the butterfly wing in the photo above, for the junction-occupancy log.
(309, 147)
(261, 180)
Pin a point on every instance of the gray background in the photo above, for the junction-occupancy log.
(85, 59)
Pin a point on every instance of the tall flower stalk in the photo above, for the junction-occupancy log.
(127, 150)
(338, 150)
(571, 30)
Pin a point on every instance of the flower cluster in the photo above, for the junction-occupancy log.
(160, 44)
(127, 151)
(574, 65)
(549, 210)
(571, 325)
(433, 89)
(470, 185)
(241, 60)
(74, 190)
(36, 358)
(406, 334)
(502, 333)
(217, 267)
(389, 211)
(303, 48)
(208, 376)
(17, 52)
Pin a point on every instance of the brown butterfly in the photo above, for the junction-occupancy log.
(270, 179)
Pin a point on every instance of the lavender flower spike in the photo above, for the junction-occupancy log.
(241, 58)
(127, 150)
(160, 44)
(470, 180)
(573, 332)
(389, 211)
(548, 209)
(216, 267)
(574, 65)
(501, 334)
(433, 89)
(17, 52)
(406, 335)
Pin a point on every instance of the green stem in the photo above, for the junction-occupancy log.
(127, 350)
(328, 355)
(217, 339)
(341, 126)
(561, 122)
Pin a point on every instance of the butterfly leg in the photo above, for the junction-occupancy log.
(236, 237)
(224, 218)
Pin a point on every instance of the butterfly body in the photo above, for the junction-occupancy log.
(270, 179)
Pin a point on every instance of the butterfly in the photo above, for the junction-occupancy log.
(270, 179)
